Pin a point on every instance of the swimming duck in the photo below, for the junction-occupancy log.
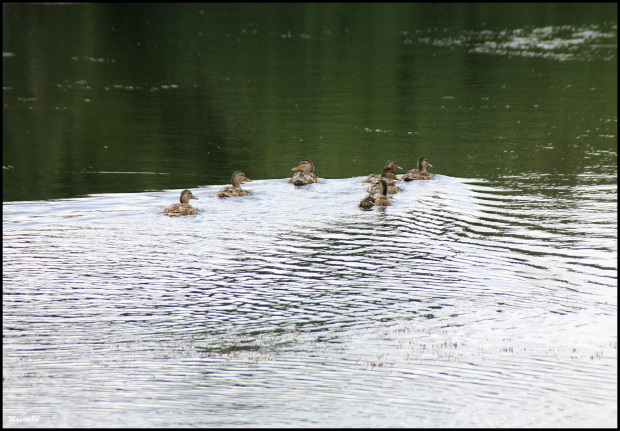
(237, 178)
(376, 177)
(306, 176)
(389, 176)
(183, 208)
(419, 173)
(378, 199)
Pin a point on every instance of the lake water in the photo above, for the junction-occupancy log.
(486, 297)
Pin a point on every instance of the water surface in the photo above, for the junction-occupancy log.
(486, 297)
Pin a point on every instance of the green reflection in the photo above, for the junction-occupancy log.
(176, 96)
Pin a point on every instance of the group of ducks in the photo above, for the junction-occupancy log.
(380, 185)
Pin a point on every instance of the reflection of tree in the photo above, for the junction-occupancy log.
(198, 91)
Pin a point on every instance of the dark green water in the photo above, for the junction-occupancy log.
(125, 98)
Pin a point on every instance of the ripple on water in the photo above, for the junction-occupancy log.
(394, 316)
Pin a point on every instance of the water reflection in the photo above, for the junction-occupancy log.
(236, 89)
(561, 43)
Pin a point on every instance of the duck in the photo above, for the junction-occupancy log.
(389, 176)
(235, 190)
(183, 208)
(378, 199)
(420, 173)
(306, 176)
(376, 177)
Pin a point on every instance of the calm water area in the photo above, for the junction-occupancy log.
(485, 297)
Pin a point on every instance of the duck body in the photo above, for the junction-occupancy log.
(416, 174)
(180, 210)
(392, 188)
(382, 200)
(305, 175)
(377, 199)
(235, 190)
(183, 208)
(420, 173)
(373, 178)
(231, 192)
(301, 179)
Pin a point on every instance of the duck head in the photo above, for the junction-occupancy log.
(186, 195)
(391, 164)
(423, 163)
(388, 172)
(306, 166)
(238, 178)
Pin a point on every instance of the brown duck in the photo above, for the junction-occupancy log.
(420, 173)
(378, 199)
(183, 208)
(306, 174)
(235, 190)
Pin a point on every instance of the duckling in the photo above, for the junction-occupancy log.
(419, 173)
(376, 177)
(378, 199)
(389, 176)
(306, 176)
(237, 178)
(183, 208)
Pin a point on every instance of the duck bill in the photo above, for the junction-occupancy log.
(247, 180)
(396, 178)
(398, 167)
(298, 168)
(194, 197)
(430, 166)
